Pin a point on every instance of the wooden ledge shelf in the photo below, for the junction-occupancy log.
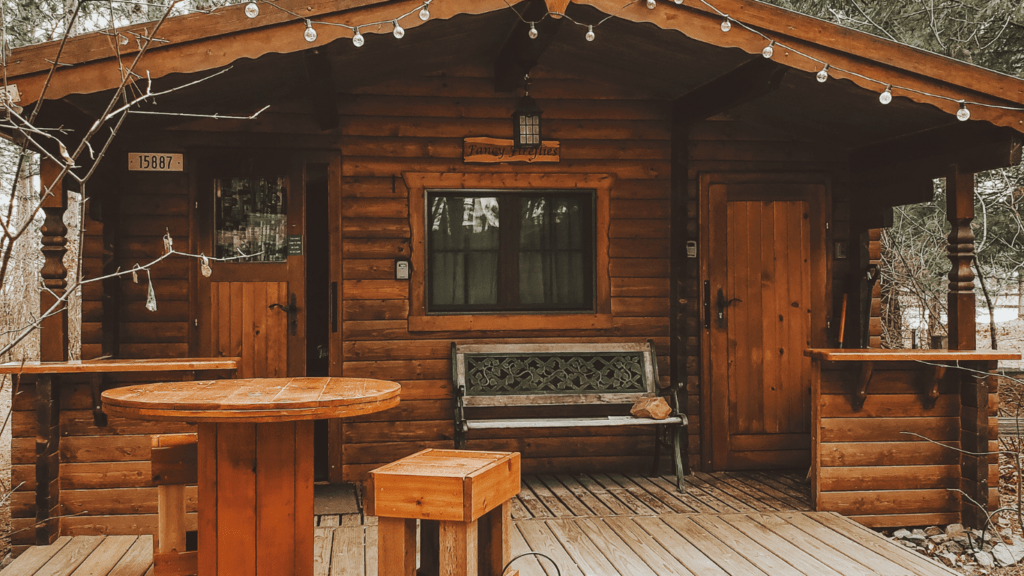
(95, 371)
(933, 371)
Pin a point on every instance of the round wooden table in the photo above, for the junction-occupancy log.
(255, 459)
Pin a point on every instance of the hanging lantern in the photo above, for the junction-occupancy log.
(526, 123)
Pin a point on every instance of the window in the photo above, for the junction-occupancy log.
(510, 251)
(250, 218)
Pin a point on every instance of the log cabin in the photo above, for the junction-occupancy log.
(712, 177)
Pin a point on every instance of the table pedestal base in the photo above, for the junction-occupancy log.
(256, 499)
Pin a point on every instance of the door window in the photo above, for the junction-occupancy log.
(250, 217)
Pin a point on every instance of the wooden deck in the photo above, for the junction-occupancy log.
(737, 524)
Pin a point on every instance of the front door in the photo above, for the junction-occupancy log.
(766, 271)
(250, 209)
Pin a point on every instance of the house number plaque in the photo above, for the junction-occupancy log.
(155, 162)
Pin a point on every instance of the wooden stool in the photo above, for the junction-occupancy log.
(454, 489)
(173, 463)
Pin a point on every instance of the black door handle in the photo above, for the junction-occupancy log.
(292, 311)
(722, 304)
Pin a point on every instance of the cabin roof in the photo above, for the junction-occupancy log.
(661, 54)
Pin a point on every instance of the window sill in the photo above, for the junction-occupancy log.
(509, 322)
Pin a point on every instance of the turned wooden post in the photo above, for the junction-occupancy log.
(973, 390)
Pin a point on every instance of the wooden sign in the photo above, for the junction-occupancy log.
(155, 162)
(495, 150)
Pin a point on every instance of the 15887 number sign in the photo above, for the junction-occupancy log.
(155, 162)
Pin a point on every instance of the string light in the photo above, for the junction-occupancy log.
(252, 10)
(822, 75)
(963, 114)
(886, 97)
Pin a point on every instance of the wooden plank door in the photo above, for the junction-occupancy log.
(252, 308)
(765, 262)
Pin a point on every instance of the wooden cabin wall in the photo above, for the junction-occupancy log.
(721, 145)
(874, 472)
(417, 125)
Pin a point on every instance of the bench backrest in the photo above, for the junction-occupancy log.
(538, 374)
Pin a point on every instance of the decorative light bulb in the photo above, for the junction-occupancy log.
(399, 31)
(822, 75)
(651, 4)
(357, 39)
(309, 34)
(590, 34)
(678, 1)
(886, 97)
(424, 14)
(533, 30)
(726, 24)
(769, 50)
(252, 10)
(963, 114)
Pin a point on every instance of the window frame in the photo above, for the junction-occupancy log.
(508, 251)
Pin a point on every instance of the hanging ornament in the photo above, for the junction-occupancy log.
(122, 40)
(150, 294)
(204, 266)
(168, 243)
(252, 10)
(533, 30)
(310, 33)
(769, 50)
(357, 39)
(822, 75)
(399, 31)
(135, 275)
(726, 24)
(424, 14)
(590, 34)
(963, 114)
(886, 97)
(651, 4)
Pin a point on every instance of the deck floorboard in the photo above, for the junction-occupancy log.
(725, 524)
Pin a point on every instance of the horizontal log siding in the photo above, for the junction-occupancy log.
(417, 125)
(722, 145)
(871, 469)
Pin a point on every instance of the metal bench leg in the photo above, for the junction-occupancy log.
(657, 450)
(677, 458)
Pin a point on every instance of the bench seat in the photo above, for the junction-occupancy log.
(605, 378)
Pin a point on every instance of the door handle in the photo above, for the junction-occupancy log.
(292, 311)
(722, 304)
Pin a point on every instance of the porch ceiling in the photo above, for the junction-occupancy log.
(630, 59)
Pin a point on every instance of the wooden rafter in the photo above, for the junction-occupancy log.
(231, 36)
(520, 53)
(747, 82)
(322, 94)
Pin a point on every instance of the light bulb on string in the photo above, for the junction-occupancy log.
(651, 4)
(252, 10)
(822, 75)
(357, 39)
(726, 24)
(679, 2)
(533, 30)
(399, 31)
(424, 14)
(963, 114)
(310, 33)
(590, 34)
(886, 97)
(769, 50)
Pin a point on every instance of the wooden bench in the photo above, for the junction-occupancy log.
(540, 379)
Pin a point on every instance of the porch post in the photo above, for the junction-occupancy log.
(684, 294)
(973, 390)
(53, 347)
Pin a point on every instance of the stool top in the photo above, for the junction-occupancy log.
(455, 485)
